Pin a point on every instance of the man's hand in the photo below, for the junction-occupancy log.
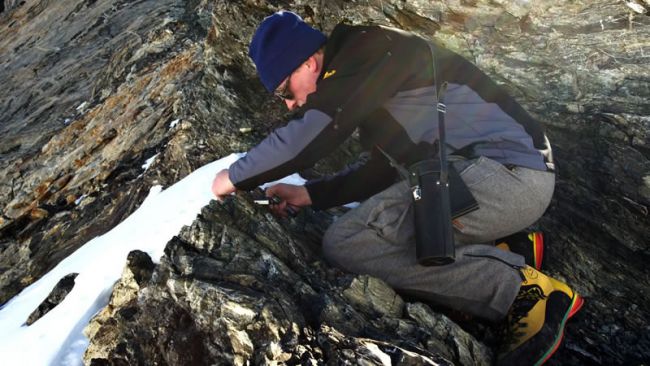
(222, 186)
(293, 196)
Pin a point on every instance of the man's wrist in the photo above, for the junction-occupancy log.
(306, 196)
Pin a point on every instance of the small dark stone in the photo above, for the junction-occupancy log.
(141, 266)
(58, 294)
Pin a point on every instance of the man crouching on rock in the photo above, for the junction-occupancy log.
(381, 82)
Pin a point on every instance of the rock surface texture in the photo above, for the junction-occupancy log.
(93, 89)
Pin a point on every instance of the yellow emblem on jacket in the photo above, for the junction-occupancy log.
(328, 74)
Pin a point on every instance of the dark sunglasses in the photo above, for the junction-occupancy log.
(284, 92)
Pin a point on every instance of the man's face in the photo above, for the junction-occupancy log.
(299, 84)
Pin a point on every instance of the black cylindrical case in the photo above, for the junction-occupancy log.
(432, 211)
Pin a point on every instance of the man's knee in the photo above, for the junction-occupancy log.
(331, 244)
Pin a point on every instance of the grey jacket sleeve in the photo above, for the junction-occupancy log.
(280, 153)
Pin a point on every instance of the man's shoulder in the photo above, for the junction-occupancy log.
(344, 32)
(363, 42)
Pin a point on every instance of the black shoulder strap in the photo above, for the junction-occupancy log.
(442, 110)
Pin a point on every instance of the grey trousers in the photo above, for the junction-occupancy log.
(377, 238)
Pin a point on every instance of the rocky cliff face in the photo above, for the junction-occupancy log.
(92, 89)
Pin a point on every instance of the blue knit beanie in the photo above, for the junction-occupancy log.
(281, 43)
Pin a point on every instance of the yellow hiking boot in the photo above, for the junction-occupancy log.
(528, 245)
(535, 323)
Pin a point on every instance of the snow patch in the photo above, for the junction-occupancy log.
(57, 338)
(82, 106)
(149, 161)
(78, 200)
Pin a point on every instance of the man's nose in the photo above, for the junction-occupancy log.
(291, 104)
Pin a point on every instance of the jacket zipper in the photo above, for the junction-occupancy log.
(518, 268)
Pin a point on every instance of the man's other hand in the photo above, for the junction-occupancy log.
(222, 186)
(293, 198)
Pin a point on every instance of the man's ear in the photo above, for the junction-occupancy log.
(313, 64)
